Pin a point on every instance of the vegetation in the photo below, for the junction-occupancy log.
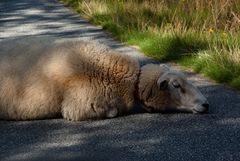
(201, 34)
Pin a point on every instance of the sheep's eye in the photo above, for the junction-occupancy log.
(176, 85)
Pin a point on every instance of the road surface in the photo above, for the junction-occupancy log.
(140, 136)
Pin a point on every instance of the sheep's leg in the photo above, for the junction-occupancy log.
(76, 109)
(82, 102)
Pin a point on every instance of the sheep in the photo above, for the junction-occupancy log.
(81, 80)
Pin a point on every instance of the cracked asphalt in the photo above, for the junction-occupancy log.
(139, 136)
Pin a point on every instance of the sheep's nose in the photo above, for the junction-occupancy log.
(206, 107)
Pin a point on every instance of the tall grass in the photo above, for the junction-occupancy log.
(203, 34)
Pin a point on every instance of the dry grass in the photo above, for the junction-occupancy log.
(198, 15)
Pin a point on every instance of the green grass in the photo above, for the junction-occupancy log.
(203, 35)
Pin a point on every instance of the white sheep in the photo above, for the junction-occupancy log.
(86, 80)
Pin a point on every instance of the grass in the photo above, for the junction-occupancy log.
(203, 35)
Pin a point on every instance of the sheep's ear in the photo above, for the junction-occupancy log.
(164, 67)
(162, 84)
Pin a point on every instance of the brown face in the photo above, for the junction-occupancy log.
(170, 91)
(182, 94)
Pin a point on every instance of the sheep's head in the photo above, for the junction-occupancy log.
(162, 89)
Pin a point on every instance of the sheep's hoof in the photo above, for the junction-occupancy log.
(112, 113)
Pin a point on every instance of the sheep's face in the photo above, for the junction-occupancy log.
(173, 92)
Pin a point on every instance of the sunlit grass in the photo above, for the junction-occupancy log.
(203, 35)
(219, 65)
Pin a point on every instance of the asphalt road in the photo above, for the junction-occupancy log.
(140, 136)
